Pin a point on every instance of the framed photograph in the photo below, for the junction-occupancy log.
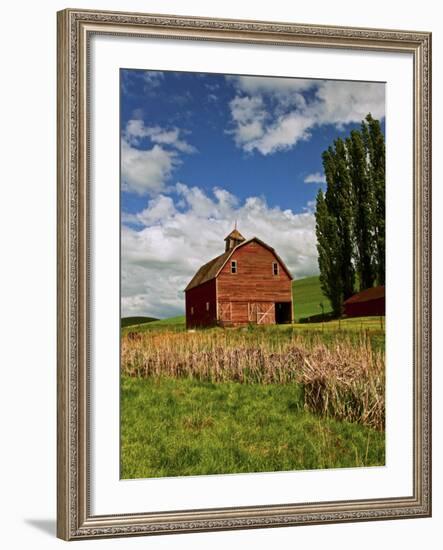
(243, 274)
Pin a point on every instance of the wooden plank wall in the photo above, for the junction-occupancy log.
(254, 280)
(196, 298)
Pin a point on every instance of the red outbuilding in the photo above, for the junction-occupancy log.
(366, 303)
(248, 283)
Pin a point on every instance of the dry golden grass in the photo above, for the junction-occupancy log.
(341, 378)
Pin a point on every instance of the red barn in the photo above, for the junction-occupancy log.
(248, 283)
(366, 303)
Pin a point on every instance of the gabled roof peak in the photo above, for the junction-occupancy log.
(211, 269)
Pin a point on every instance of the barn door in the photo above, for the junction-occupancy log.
(225, 311)
(261, 313)
(252, 312)
(266, 314)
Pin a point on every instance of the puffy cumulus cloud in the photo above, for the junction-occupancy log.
(166, 243)
(136, 130)
(316, 177)
(147, 170)
(274, 114)
(339, 102)
(248, 115)
(159, 208)
(285, 132)
(269, 84)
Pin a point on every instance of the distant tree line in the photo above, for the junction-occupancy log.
(350, 215)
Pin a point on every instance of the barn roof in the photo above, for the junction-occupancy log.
(367, 295)
(211, 269)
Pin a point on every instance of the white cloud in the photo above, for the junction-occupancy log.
(150, 82)
(274, 85)
(344, 102)
(274, 114)
(316, 177)
(153, 79)
(285, 132)
(310, 207)
(136, 130)
(248, 115)
(244, 109)
(146, 171)
(170, 243)
(158, 209)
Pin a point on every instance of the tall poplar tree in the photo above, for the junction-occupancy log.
(350, 215)
(363, 224)
(339, 204)
(376, 157)
(329, 260)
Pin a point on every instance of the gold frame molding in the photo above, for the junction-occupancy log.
(75, 28)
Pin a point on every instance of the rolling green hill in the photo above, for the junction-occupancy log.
(130, 321)
(307, 296)
(171, 322)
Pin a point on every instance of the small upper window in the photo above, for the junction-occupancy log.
(207, 306)
(234, 266)
(275, 268)
(192, 310)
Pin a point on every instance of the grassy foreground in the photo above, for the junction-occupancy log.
(342, 374)
(253, 399)
(175, 427)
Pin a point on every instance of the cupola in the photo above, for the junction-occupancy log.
(233, 239)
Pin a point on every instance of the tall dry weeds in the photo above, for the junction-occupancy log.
(341, 379)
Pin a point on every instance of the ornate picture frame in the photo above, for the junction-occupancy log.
(76, 28)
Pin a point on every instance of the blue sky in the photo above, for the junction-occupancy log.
(200, 151)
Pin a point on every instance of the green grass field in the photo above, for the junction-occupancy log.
(173, 427)
(169, 323)
(173, 323)
(191, 425)
(131, 321)
(307, 296)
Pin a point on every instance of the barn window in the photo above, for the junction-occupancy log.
(192, 310)
(234, 266)
(275, 268)
(207, 306)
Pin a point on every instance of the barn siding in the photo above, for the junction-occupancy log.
(365, 309)
(254, 281)
(197, 297)
(239, 312)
